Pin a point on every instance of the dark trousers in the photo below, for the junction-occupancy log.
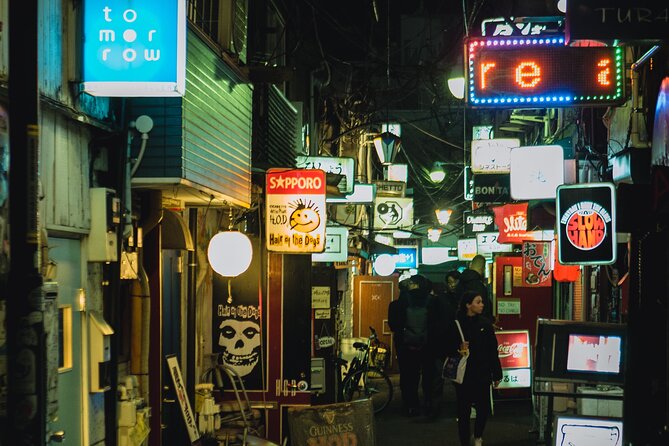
(478, 395)
(416, 367)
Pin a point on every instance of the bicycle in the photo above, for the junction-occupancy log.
(366, 381)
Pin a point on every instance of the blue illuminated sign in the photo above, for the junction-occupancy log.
(134, 48)
(542, 72)
(406, 258)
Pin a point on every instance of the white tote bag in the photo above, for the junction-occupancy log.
(454, 366)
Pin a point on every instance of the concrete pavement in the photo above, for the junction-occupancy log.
(510, 425)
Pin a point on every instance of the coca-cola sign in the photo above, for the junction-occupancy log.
(513, 348)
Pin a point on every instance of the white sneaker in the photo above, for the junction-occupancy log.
(478, 441)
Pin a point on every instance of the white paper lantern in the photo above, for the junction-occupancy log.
(384, 265)
(230, 253)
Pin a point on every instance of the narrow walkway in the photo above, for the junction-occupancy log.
(511, 424)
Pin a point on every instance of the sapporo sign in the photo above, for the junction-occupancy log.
(586, 222)
(295, 210)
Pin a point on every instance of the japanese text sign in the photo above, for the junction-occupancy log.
(331, 164)
(537, 264)
(295, 209)
(542, 71)
(134, 48)
(586, 222)
(513, 350)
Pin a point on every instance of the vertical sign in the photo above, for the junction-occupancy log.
(536, 264)
(134, 48)
(586, 222)
(180, 390)
(513, 350)
(295, 210)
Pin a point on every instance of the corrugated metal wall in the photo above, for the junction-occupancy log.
(204, 137)
(274, 129)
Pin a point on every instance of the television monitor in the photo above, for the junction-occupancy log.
(586, 352)
(588, 431)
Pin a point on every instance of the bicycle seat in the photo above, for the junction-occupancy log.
(340, 361)
(360, 345)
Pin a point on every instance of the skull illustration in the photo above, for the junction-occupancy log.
(240, 342)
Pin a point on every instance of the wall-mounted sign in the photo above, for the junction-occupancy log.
(134, 48)
(537, 264)
(536, 172)
(508, 306)
(393, 213)
(522, 26)
(390, 188)
(487, 244)
(586, 218)
(492, 188)
(475, 222)
(336, 245)
(331, 164)
(295, 209)
(617, 20)
(513, 350)
(406, 258)
(320, 297)
(362, 194)
(466, 248)
(542, 72)
(492, 155)
(511, 219)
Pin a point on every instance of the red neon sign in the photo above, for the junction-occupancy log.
(542, 71)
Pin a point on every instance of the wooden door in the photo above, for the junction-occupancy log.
(371, 296)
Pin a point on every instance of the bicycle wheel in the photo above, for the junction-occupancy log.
(375, 385)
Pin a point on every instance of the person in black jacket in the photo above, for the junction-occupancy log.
(483, 366)
(473, 279)
(414, 356)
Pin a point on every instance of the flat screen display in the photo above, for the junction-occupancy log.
(592, 353)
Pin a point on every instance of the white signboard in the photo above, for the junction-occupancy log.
(508, 306)
(320, 297)
(393, 213)
(336, 245)
(331, 164)
(295, 209)
(492, 155)
(466, 248)
(536, 172)
(486, 244)
(515, 378)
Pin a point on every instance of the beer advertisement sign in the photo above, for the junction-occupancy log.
(586, 222)
(295, 209)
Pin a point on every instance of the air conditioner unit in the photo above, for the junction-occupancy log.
(233, 19)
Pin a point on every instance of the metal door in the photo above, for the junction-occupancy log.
(371, 297)
(65, 255)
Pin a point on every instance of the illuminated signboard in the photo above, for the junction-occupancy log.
(536, 72)
(134, 48)
(586, 218)
(513, 350)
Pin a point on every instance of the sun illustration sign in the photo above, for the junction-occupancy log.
(305, 218)
(295, 209)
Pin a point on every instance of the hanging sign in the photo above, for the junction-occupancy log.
(336, 245)
(331, 164)
(476, 222)
(542, 72)
(492, 155)
(393, 213)
(536, 264)
(487, 244)
(586, 218)
(492, 188)
(511, 219)
(295, 209)
(133, 48)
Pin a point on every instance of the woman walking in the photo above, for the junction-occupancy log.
(483, 366)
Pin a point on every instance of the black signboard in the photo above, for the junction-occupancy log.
(492, 188)
(586, 217)
(479, 221)
(617, 20)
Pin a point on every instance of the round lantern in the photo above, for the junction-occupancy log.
(384, 265)
(230, 253)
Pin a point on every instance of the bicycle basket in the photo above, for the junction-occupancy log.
(379, 358)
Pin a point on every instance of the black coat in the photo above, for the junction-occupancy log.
(397, 317)
(471, 280)
(483, 364)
